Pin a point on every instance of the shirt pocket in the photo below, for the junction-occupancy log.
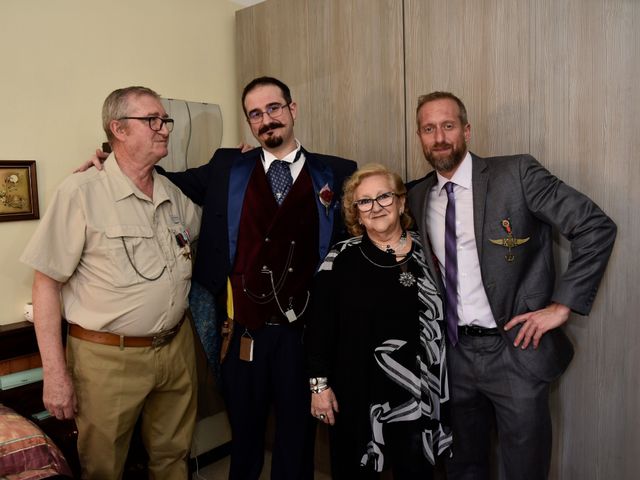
(134, 255)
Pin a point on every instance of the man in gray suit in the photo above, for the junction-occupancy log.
(488, 222)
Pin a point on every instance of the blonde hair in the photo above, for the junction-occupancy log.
(350, 210)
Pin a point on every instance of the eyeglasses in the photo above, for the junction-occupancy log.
(274, 111)
(155, 123)
(384, 200)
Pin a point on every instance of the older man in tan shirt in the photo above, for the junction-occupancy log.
(113, 250)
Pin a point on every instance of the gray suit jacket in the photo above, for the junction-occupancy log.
(521, 190)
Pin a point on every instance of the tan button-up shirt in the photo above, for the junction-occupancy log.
(123, 258)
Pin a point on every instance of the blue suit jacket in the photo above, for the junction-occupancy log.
(518, 188)
(220, 186)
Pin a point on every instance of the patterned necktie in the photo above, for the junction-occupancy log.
(280, 179)
(451, 266)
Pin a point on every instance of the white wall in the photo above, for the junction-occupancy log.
(60, 59)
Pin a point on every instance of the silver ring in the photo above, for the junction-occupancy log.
(322, 416)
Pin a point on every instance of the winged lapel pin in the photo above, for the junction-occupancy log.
(509, 241)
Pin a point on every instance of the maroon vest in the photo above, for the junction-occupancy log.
(282, 240)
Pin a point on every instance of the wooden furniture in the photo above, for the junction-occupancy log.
(18, 352)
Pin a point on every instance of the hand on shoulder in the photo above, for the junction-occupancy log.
(96, 160)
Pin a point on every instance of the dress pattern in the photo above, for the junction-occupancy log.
(421, 377)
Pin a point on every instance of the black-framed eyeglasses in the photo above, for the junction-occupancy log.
(155, 123)
(274, 111)
(384, 200)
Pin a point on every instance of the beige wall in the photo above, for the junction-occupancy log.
(60, 59)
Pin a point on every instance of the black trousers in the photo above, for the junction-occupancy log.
(489, 387)
(276, 377)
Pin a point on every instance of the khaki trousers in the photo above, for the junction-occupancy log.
(114, 387)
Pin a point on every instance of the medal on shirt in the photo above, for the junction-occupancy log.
(509, 241)
(184, 242)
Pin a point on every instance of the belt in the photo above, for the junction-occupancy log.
(106, 338)
(474, 331)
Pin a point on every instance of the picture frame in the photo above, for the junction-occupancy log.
(18, 190)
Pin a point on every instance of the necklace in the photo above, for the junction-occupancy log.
(405, 278)
(388, 248)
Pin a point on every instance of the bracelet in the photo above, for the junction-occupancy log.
(319, 389)
(318, 384)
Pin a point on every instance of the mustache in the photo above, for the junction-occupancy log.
(442, 145)
(269, 126)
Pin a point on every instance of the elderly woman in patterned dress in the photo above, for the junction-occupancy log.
(375, 343)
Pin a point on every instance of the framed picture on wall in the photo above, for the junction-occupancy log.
(18, 190)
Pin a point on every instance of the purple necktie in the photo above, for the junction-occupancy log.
(451, 266)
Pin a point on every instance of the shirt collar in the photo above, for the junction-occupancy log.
(461, 177)
(124, 187)
(290, 157)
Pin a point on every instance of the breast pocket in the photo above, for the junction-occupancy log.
(134, 255)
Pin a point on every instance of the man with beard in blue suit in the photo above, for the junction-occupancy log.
(269, 217)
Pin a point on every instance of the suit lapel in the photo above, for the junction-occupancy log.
(322, 175)
(239, 176)
(479, 182)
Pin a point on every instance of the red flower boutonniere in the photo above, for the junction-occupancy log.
(326, 197)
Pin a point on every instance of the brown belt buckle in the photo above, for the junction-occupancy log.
(163, 338)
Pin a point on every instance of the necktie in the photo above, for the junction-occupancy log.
(279, 176)
(280, 179)
(451, 266)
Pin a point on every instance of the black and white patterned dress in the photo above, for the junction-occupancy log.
(376, 330)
